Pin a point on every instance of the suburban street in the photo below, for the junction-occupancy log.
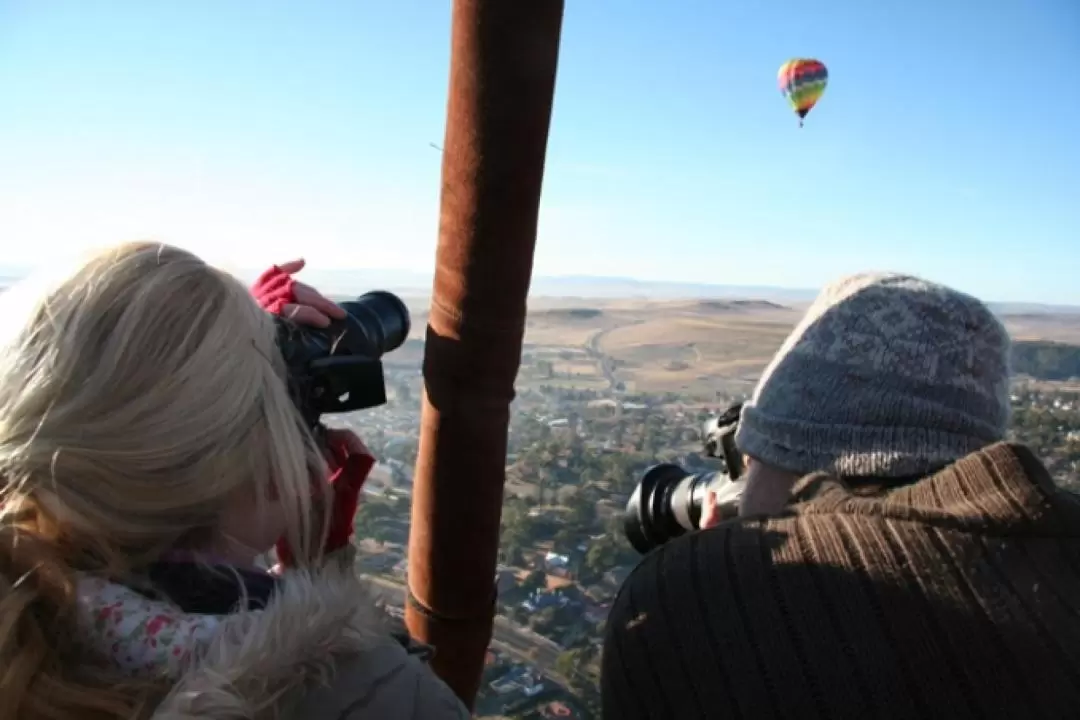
(507, 637)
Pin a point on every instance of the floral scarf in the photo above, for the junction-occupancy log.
(141, 637)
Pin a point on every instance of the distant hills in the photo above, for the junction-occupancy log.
(616, 287)
(583, 286)
(594, 286)
(412, 283)
(590, 286)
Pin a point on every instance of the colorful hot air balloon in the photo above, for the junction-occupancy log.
(802, 81)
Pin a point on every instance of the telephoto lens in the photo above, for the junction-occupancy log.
(668, 502)
(376, 323)
(338, 368)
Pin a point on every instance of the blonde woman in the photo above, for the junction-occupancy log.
(145, 423)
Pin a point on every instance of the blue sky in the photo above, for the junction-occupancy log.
(250, 132)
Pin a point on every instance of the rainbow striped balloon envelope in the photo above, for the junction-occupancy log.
(802, 81)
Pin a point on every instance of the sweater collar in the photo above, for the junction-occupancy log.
(1002, 487)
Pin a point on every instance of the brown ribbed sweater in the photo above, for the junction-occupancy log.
(955, 597)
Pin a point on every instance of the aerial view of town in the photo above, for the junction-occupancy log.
(607, 388)
(605, 220)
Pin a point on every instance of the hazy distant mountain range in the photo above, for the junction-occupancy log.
(407, 282)
(584, 286)
(591, 286)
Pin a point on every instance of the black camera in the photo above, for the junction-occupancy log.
(668, 500)
(339, 368)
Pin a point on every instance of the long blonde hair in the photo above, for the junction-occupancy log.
(139, 392)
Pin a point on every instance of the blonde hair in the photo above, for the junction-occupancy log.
(139, 393)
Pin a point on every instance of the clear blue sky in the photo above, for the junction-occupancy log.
(946, 144)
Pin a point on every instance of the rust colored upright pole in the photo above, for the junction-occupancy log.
(504, 55)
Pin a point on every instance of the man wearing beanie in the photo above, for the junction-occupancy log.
(894, 557)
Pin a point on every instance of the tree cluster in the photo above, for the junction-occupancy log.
(1046, 360)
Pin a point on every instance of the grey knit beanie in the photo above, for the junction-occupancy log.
(886, 376)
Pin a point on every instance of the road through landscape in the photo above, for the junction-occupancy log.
(523, 644)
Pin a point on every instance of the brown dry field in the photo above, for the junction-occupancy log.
(690, 347)
(1059, 328)
(695, 347)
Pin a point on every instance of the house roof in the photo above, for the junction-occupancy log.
(553, 582)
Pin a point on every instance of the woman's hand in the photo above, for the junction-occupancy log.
(348, 460)
(279, 293)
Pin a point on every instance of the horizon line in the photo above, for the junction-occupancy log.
(803, 293)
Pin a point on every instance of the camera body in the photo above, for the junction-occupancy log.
(339, 368)
(668, 500)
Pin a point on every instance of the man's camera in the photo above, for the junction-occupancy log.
(339, 368)
(668, 500)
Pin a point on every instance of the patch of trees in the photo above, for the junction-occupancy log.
(582, 313)
(1044, 360)
(581, 668)
(382, 520)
